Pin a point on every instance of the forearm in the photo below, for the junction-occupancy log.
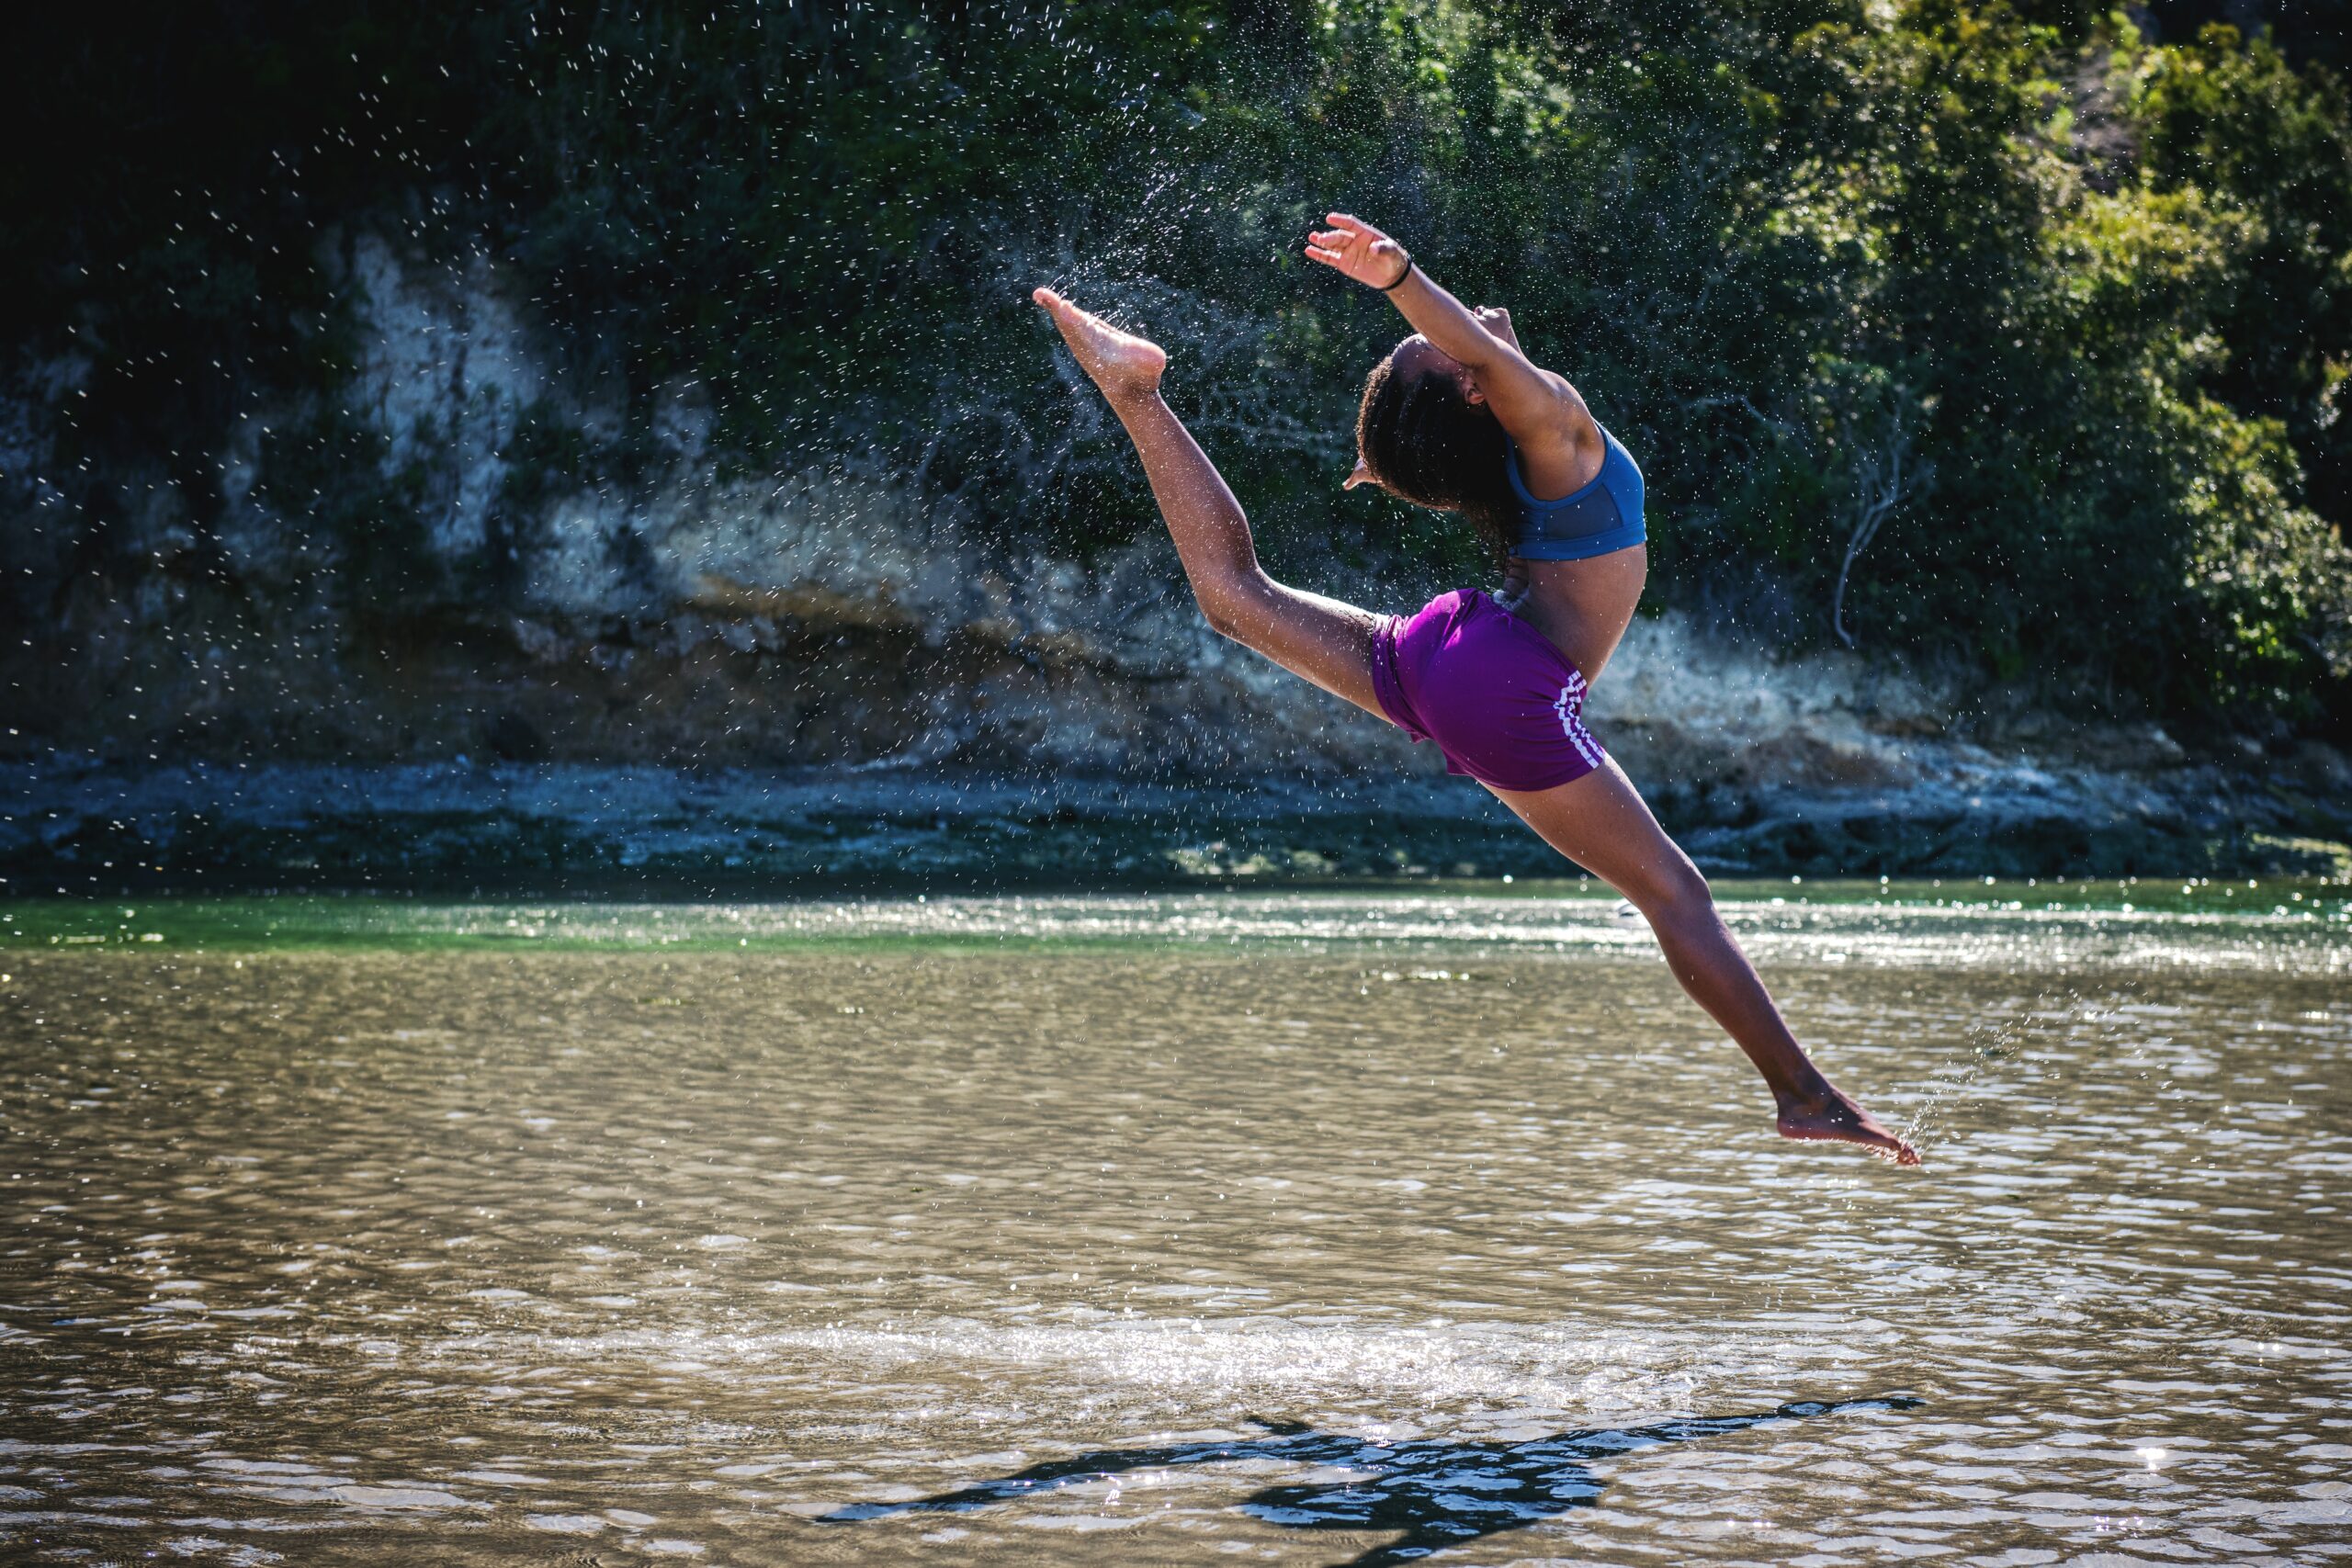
(1446, 322)
(1211, 531)
(1539, 410)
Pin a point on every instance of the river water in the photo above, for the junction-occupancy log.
(1307, 1229)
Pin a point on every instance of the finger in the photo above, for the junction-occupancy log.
(1328, 258)
(1341, 220)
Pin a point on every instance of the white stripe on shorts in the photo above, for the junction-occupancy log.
(1570, 707)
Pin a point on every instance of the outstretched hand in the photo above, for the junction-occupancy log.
(1353, 247)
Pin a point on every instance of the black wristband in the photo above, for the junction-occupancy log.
(1402, 278)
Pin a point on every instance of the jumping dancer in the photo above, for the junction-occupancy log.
(1457, 418)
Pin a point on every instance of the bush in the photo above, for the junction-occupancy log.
(1969, 330)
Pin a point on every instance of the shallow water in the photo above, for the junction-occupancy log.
(1295, 1228)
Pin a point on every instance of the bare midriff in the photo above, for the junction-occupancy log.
(1582, 607)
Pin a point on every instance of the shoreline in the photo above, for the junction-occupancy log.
(76, 827)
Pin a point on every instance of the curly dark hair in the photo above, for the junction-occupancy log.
(1424, 441)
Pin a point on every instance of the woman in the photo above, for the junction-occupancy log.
(1457, 417)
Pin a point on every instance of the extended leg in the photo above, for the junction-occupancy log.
(1328, 642)
(1601, 823)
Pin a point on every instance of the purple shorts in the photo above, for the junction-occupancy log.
(1505, 706)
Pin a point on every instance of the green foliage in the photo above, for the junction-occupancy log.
(2000, 332)
(2274, 147)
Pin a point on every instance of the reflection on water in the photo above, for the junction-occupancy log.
(1384, 1219)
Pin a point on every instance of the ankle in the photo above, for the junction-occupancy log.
(1818, 1094)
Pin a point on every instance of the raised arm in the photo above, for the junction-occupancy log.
(1560, 445)
(1328, 642)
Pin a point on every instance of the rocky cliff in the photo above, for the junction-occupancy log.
(462, 572)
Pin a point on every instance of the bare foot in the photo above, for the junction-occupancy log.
(1833, 1117)
(1122, 364)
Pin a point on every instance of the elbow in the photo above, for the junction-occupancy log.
(1224, 605)
(1221, 619)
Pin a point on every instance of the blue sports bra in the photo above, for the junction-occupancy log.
(1604, 516)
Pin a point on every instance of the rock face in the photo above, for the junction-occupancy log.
(507, 564)
(462, 559)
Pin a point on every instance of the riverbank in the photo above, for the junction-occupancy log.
(709, 678)
(78, 825)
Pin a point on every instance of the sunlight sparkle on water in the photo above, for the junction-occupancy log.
(697, 1228)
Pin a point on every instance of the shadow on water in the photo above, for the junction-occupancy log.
(1440, 1494)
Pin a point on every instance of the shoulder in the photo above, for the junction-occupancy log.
(1576, 420)
(1562, 453)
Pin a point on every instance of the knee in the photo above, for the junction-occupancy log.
(1675, 893)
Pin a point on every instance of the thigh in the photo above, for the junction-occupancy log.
(1325, 640)
(1601, 822)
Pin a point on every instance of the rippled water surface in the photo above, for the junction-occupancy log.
(1293, 1228)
